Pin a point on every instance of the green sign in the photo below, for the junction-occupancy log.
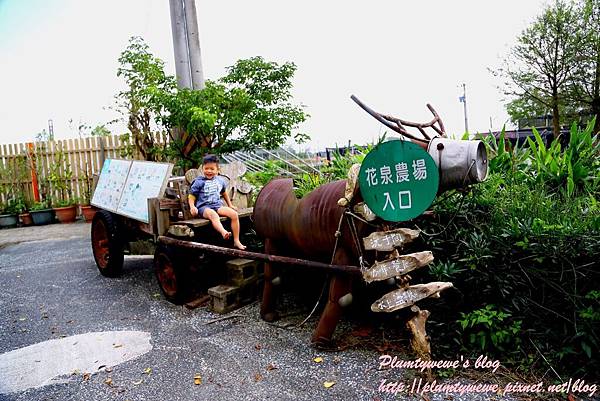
(398, 180)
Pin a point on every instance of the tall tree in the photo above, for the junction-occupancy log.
(584, 86)
(140, 103)
(251, 106)
(539, 66)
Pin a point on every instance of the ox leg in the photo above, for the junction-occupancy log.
(339, 285)
(267, 307)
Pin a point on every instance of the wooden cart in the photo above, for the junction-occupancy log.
(169, 217)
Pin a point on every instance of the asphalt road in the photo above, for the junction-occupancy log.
(141, 347)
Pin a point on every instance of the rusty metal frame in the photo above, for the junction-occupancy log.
(198, 246)
(398, 124)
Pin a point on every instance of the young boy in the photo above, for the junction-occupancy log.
(205, 200)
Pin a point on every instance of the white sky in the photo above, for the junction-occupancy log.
(58, 59)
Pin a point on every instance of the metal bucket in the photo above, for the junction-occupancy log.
(460, 163)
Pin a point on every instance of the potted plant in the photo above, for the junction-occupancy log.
(87, 211)
(41, 213)
(26, 218)
(65, 210)
(59, 177)
(21, 209)
(9, 216)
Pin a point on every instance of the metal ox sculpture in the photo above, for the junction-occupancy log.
(330, 225)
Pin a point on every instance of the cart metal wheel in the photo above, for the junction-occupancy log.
(171, 274)
(107, 245)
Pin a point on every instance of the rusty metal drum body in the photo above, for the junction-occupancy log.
(304, 226)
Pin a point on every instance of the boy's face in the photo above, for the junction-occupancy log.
(210, 170)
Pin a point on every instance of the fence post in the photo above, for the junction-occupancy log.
(34, 183)
(102, 156)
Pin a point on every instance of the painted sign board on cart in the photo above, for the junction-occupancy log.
(398, 180)
(110, 184)
(145, 180)
(124, 186)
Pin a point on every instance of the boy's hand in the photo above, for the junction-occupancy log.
(194, 211)
(233, 207)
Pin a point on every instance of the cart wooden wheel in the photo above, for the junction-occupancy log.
(107, 245)
(171, 274)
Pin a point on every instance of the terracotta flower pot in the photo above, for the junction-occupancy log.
(26, 219)
(88, 212)
(66, 214)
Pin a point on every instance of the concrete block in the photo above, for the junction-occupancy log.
(223, 298)
(241, 271)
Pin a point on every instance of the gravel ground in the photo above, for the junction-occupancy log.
(51, 289)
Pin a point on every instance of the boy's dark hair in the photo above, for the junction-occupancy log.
(210, 159)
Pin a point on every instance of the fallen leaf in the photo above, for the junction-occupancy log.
(271, 367)
(108, 370)
(137, 383)
(197, 380)
(362, 332)
(328, 384)
(571, 397)
(69, 321)
(318, 359)
(86, 377)
(258, 377)
(148, 371)
(257, 347)
(382, 348)
(156, 295)
(75, 372)
(117, 345)
(22, 319)
(108, 381)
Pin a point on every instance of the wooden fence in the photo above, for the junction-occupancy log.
(63, 168)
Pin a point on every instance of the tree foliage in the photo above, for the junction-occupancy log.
(247, 108)
(584, 85)
(146, 84)
(538, 68)
(251, 106)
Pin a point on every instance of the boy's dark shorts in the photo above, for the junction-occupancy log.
(214, 206)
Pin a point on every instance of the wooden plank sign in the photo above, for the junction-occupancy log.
(387, 241)
(397, 266)
(403, 297)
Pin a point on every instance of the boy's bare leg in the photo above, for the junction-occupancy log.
(235, 224)
(214, 218)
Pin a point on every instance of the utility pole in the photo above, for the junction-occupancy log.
(193, 40)
(463, 99)
(186, 44)
(182, 59)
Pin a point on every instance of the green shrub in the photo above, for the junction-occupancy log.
(259, 179)
(491, 329)
(527, 240)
